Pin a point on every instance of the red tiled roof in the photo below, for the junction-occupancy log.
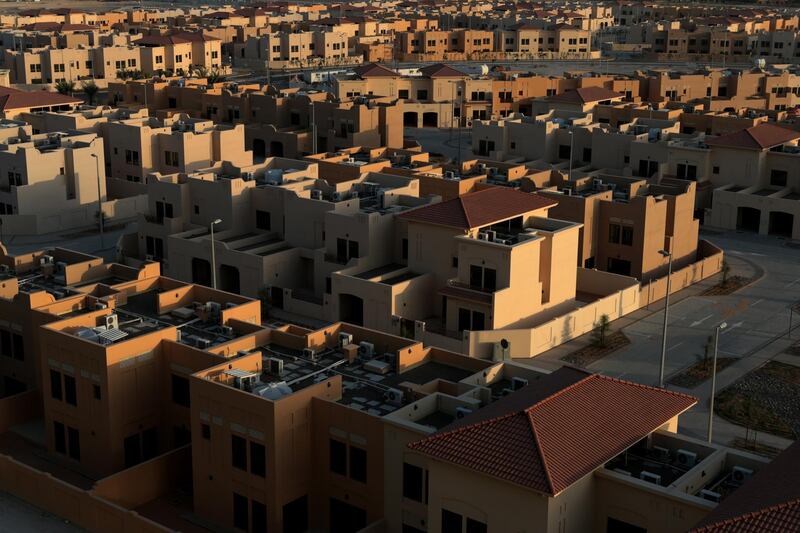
(177, 38)
(440, 70)
(16, 99)
(769, 501)
(477, 209)
(586, 95)
(558, 438)
(759, 137)
(56, 26)
(374, 70)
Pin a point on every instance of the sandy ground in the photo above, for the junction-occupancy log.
(88, 5)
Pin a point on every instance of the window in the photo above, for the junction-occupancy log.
(5, 343)
(55, 385)
(338, 457)
(415, 483)
(159, 60)
(627, 235)
(149, 443)
(422, 94)
(451, 522)
(259, 512)
(238, 452)
(358, 464)
(263, 220)
(70, 394)
(180, 390)
(258, 459)
(777, 178)
(205, 431)
(482, 278)
(171, 159)
(132, 157)
(614, 232)
(178, 58)
(564, 151)
(132, 63)
(74, 443)
(474, 526)
(59, 442)
(240, 518)
(196, 209)
(403, 94)
(96, 391)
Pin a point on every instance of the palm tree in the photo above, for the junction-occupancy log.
(65, 87)
(215, 76)
(90, 89)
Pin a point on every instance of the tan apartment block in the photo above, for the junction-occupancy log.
(137, 147)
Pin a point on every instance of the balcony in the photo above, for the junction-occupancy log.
(464, 291)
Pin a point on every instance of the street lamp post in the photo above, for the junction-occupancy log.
(714, 378)
(99, 202)
(213, 257)
(665, 253)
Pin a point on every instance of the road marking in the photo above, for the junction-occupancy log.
(645, 335)
(729, 328)
(756, 302)
(791, 283)
(698, 322)
(670, 349)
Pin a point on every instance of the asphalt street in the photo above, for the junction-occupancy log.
(755, 315)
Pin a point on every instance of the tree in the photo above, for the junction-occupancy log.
(601, 330)
(90, 89)
(215, 76)
(65, 87)
(725, 269)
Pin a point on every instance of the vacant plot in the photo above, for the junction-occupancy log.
(767, 399)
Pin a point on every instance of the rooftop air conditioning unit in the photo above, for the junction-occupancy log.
(740, 473)
(518, 383)
(394, 397)
(354, 194)
(100, 306)
(710, 495)
(275, 366)
(345, 339)
(310, 353)
(481, 167)
(366, 349)
(316, 194)
(650, 477)
(597, 183)
(566, 191)
(227, 330)
(483, 236)
(336, 196)
(661, 453)
(686, 458)
(461, 412)
(214, 308)
(247, 176)
(203, 344)
(245, 383)
(449, 175)
(112, 321)
(46, 260)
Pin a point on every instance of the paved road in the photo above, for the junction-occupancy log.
(754, 315)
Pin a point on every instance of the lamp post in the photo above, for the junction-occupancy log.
(665, 253)
(714, 378)
(213, 257)
(99, 202)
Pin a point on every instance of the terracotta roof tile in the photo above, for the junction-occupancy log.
(586, 95)
(555, 440)
(478, 209)
(759, 137)
(440, 70)
(15, 99)
(374, 70)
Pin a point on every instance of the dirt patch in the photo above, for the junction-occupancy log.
(733, 284)
(698, 373)
(589, 354)
(767, 399)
